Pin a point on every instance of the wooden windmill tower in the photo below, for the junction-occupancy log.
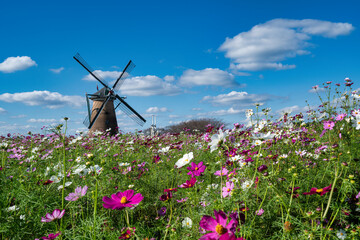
(102, 115)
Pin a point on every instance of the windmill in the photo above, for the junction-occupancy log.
(102, 115)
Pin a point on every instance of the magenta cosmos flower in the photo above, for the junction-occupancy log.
(56, 214)
(51, 236)
(189, 183)
(79, 192)
(218, 226)
(122, 200)
(320, 191)
(196, 169)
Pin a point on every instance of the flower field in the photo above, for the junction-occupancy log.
(296, 177)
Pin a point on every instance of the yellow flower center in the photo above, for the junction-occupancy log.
(319, 190)
(123, 200)
(228, 189)
(220, 229)
(196, 168)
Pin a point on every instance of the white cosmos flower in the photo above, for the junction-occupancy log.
(246, 185)
(55, 179)
(96, 169)
(80, 169)
(187, 222)
(164, 150)
(66, 185)
(184, 160)
(341, 234)
(257, 142)
(12, 208)
(215, 139)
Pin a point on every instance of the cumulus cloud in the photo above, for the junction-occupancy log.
(169, 78)
(156, 110)
(57, 70)
(294, 110)
(48, 99)
(266, 45)
(208, 76)
(13, 64)
(221, 112)
(42, 120)
(2, 110)
(241, 99)
(148, 85)
(106, 75)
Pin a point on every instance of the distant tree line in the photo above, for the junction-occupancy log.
(194, 125)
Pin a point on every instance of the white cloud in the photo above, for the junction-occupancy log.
(265, 45)
(293, 110)
(156, 110)
(196, 109)
(148, 86)
(42, 120)
(19, 116)
(2, 110)
(13, 64)
(234, 98)
(106, 75)
(57, 70)
(222, 112)
(318, 89)
(169, 78)
(48, 99)
(208, 76)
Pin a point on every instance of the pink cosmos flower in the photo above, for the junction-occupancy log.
(122, 200)
(56, 214)
(196, 169)
(329, 125)
(189, 183)
(51, 236)
(218, 226)
(79, 192)
(340, 117)
(227, 189)
(259, 212)
(358, 195)
(222, 172)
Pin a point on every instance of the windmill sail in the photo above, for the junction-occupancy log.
(120, 103)
(102, 116)
(93, 73)
(125, 73)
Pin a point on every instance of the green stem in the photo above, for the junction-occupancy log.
(95, 206)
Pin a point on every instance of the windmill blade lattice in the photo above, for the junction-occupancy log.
(125, 73)
(93, 73)
(120, 103)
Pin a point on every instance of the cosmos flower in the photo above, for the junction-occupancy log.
(51, 236)
(196, 169)
(79, 192)
(216, 139)
(218, 227)
(226, 191)
(122, 200)
(162, 211)
(320, 191)
(56, 214)
(222, 172)
(259, 212)
(189, 183)
(187, 222)
(329, 125)
(166, 196)
(184, 160)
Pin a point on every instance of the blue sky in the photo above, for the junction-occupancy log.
(193, 58)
